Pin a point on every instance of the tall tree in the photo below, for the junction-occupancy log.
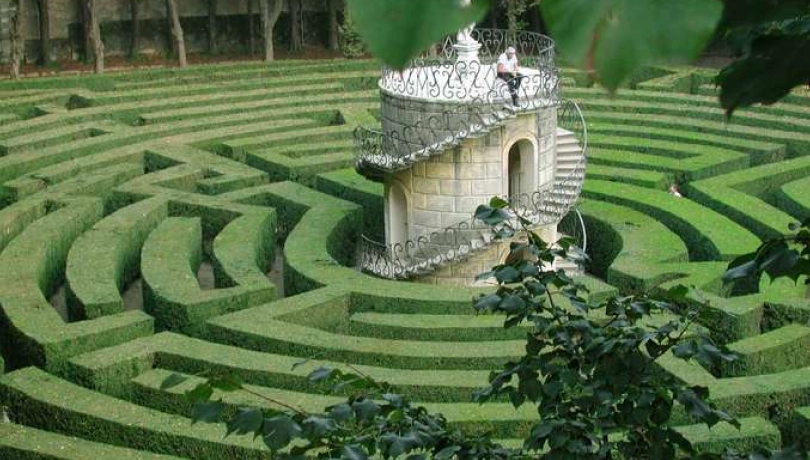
(135, 43)
(87, 47)
(332, 8)
(43, 7)
(536, 19)
(251, 31)
(95, 46)
(296, 42)
(17, 42)
(271, 10)
(177, 32)
(493, 14)
(212, 26)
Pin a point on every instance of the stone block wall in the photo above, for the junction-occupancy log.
(446, 189)
(547, 160)
(418, 123)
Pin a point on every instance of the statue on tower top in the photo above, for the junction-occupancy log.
(465, 35)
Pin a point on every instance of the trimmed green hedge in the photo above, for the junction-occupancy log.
(348, 185)
(742, 195)
(104, 260)
(708, 235)
(31, 267)
(40, 400)
(112, 369)
(171, 257)
(779, 350)
(159, 180)
(24, 443)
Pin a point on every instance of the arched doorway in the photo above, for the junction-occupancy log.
(521, 167)
(397, 215)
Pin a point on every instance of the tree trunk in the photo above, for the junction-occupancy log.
(87, 45)
(511, 15)
(333, 25)
(177, 32)
(17, 42)
(251, 31)
(212, 26)
(44, 31)
(295, 25)
(493, 14)
(94, 35)
(134, 45)
(269, 18)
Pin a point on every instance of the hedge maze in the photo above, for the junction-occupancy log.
(184, 221)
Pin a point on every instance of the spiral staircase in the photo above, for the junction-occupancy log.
(479, 104)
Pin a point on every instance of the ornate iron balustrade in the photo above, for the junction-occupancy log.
(570, 117)
(434, 133)
(446, 75)
(495, 41)
(451, 244)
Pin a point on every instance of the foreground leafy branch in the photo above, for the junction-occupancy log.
(590, 369)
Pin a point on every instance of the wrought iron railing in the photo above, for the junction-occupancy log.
(454, 243)
(472, 97)
(444, 74)
(527, 44)
(434, 133)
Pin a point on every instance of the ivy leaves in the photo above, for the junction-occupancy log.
(617, 37)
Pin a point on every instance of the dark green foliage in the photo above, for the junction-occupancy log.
(773, 40)
(593, 379)
(786, 256)
(617, 37)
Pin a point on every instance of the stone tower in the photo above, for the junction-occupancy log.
(452, 138)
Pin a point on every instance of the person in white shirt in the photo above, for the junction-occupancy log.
(508, 67)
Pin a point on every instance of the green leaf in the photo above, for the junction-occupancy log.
(319, 427)
(200, 393)
(322, 373)
(498, 203)
(775, 64)
(353, 452)
(447, 453)
(247, 420)
(341, 412)
(279, 431)
(207, 412)
(573, 23)
(172, 381)
(488, 302)
(513, 304)
(621, 36)
(226, 382)
(507, 275)
(397, 30)
(365, 409)
(490, 215)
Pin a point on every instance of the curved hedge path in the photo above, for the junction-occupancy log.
(142, 212)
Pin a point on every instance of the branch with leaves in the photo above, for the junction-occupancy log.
(589, 369)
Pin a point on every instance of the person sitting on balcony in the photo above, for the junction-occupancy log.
(508, 72)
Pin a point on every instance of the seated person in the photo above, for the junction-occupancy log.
(508, 72)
